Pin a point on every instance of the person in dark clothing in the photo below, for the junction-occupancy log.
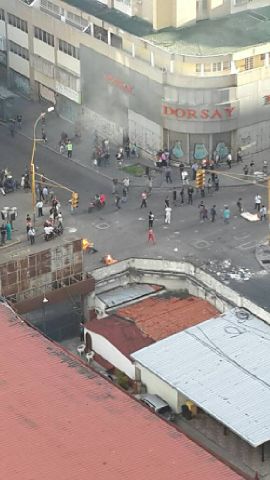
(174, 197)
(3, 234)
(213, 213)
(151, 217)
(216, 183)
(167, 201)
(182, 195)
(190, 195)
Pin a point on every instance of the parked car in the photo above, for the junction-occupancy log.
(158, 405)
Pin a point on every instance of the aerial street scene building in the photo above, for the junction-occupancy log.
(135, 248)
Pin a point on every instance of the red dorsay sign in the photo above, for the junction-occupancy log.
(118, 83)
(184, 113)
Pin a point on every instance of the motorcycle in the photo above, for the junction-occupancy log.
(99, 202)
(56, 232)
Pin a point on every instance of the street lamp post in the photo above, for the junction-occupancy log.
(32, 164)
(44, 303)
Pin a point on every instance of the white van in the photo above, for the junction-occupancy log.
(157, 404)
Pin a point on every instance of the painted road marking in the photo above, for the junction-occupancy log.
(247, 246)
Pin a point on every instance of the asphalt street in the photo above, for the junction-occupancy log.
(227, 251)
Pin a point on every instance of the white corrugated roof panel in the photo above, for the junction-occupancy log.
(222, 365)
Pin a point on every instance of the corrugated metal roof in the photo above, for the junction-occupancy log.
(222, 365)
(120, 295)
(59, 420)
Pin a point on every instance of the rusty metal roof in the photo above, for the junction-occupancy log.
(160, 317)
(59, 420)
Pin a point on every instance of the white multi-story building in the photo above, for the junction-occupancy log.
(129, 67)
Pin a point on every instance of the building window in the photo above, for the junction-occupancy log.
(198, 67)
(67, 79)
(18, 23)
(207, 67)
(76, 20)
(43, 66)
(116, 41)
(2, 14)
(249, 63)
(44, 36)
(216, 67)
(69, 49)
(18, 50)
(101, 33)
(52, 8)
(226, 65)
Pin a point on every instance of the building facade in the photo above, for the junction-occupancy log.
(115, 68)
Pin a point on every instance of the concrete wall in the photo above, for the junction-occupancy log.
(109, 352)
(157, 386)
(176, 275)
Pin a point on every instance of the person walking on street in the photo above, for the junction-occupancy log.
(263, 213)
(226, 214)
(168, 213)
(117, 200)
(3, 234)
(209, 185)
(239, 205)
(185, 177)
(69, 148)
(151, 236)
(204, 214)
(126, 183)
(39, 206)
(167, 201)
(182, 195)
(151, 218)
(168, 174)
(252, 165)
(9, 230)
(216, 183)
(28, 225)
(190, 195)
(201, 207)
(144, 198)
(45, 193)
(194, 169)
(213, 213)
(245, 169)
(115, 183)
(257, 202)
(149, 185)
(31, 235)
(181, 169)
(229, 160)
(239, 158)
(175, 197)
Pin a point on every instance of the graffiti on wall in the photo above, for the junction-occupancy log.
(200, 151)
(222, 150)
(177, 150)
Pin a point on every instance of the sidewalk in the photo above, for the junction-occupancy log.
(83, 150)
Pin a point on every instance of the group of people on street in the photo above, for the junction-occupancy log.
(6, 232)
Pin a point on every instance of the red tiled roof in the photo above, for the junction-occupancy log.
(124, 335)
(59, 420)
(161, 317)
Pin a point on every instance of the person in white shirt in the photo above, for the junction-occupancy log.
(39, 206)
(257, 202)
(168, 213)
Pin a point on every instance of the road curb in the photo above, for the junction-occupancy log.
(7, 245)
